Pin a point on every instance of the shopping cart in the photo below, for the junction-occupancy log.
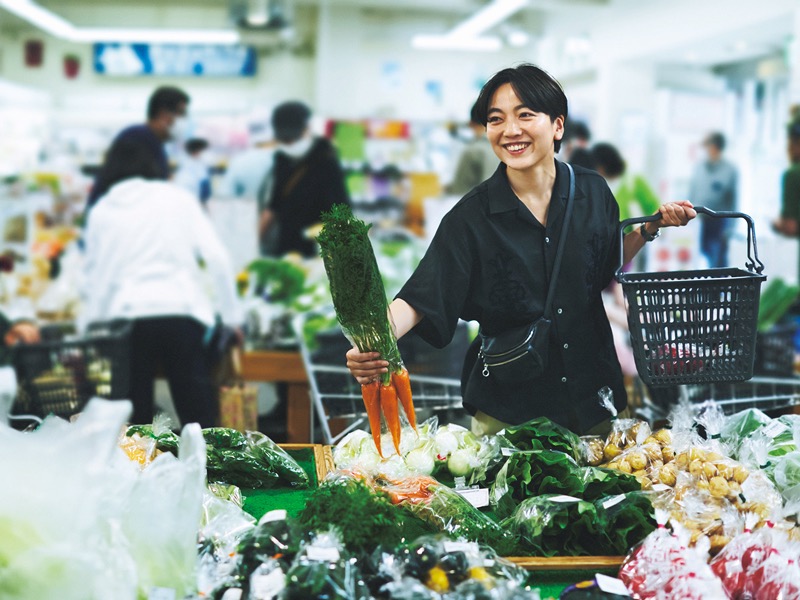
(694, 327)
(60, 376)
(336, 401)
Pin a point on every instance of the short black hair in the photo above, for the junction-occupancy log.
(474, 116)
(535, 87)
(167, 98)
(716, 139)
(129, 157)
(193, 145)
(290, 120)
(608, 158)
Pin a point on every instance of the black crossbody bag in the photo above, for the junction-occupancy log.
(521, 354)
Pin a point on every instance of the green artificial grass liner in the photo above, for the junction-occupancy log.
(259, 502)
(552, 583)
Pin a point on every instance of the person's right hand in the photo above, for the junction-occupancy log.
(366, 367)
(22, 332)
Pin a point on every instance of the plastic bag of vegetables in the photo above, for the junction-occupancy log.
(322, 569)
(542, 434)
(447, 511)
(443, 565)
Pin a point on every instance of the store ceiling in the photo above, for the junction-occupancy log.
(713, 46)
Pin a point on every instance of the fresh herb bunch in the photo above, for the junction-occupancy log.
(356, 285)
(363, 517)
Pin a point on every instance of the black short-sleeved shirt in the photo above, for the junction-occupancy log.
(490, 262)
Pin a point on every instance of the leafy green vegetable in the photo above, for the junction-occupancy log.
(542, 434)
(549, 527)
(741, 425)
(280, 280)
(449, 512)
(776, 298)
(627, 522)
(599, 482)
(356, 285)
(270, 453)
(363, 517)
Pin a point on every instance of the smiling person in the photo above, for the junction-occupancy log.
(492, 261)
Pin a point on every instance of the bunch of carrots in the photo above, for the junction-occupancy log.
(363, 312)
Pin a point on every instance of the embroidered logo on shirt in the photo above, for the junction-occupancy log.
(507, 293)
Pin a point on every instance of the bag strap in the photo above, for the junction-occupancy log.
(561, 242)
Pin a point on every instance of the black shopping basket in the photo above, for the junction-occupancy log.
(59, 377)
(690, 327)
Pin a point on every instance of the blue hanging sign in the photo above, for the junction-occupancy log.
(175, 60)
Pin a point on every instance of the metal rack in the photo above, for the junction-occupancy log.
(764, 393)
(336, 395)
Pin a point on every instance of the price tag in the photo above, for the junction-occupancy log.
(564, 499)
(266, 587)
(232, 594)
(478, 497)
(613, 501)
(161, 593)
(661, 487)
(322, 554)
(774, 429)
(611, 585)
(466, 547)
(273, 515)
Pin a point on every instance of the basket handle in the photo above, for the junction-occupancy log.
(752, 264)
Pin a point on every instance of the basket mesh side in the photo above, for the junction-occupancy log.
(689, 328)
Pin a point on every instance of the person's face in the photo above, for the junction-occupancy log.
(712, 152)
(165, 123)
(520, 137)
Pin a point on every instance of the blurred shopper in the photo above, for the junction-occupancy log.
(477, 160)
(22, 331)
(306, 180)
(789, 221)
(634, 195)
(248, 169)
(153, 256)
(166, 120)
(714, 185)
(193, 173)
(577, 135)
(492, 257)
(583, 157)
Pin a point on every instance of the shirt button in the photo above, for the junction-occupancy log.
(566, 346)
(563, 380)
(559, 311)
(547, 240)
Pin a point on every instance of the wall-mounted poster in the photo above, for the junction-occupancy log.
(187, 60)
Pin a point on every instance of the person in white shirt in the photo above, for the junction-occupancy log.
(153, 256)
(248, 169)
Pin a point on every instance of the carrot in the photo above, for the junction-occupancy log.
(369, 393)
(403, 386)
(391, 413)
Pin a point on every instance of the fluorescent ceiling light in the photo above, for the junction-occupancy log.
(446, 42)
(467, 35)
(156, 36)
(487, 17)
(59, 27)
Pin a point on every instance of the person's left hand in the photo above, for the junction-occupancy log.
(676, 214)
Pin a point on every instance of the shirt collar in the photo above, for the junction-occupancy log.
(503, 199)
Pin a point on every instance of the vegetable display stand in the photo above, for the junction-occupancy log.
(694, 326)
(315, 460)
(60, 376)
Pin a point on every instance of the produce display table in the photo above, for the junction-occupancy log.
(279, 366)
(315, 460)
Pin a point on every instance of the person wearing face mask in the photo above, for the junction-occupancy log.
(166, 120)
(305, 181)
(714, 185)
